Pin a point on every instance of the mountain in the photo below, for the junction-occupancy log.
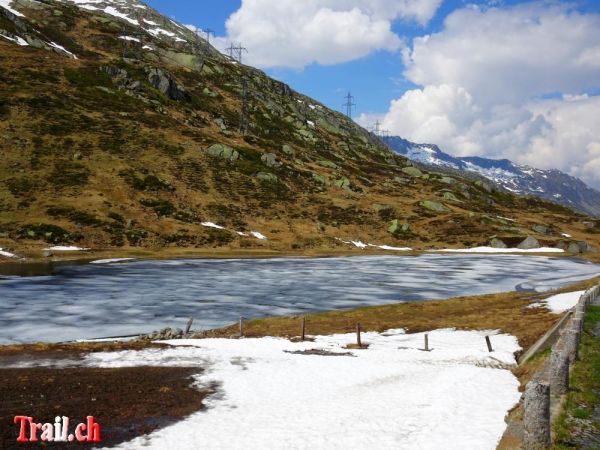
(551, 185)
(121, 129)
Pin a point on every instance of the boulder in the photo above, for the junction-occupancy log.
(412, 172)
(529, 243)
(485, 186)
(167, 85)
(447, 180)
(268, 177)
(270, 160)
(342, 183)
(451, 197)
(541, 229)
(497, 243)
(573, 248)
(223, 151)
(434, 206)
(287, 149)
(396, 227)
(320, 179)
(328, 164)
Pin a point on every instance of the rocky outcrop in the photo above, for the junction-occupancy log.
(167, 85)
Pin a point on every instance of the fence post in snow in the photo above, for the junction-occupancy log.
(426, 342)
(536, 416)
(489, 344)
(303, 329)
(559, 372)
(241, 326)
(358, 341)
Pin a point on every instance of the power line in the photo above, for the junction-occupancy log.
(208, 32)
(349, 104)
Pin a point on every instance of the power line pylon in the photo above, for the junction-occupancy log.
(235, 53)
(349, 104)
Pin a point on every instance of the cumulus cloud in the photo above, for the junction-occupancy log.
(292, 33)
(489, 82)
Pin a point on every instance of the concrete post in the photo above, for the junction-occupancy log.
(536, 416)
(572, 344)
(559, 372)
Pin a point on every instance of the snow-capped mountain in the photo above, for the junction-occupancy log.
(552, 185)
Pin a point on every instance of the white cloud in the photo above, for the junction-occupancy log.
(292, 33)
(484, 79)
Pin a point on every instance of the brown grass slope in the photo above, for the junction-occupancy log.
(94, 154)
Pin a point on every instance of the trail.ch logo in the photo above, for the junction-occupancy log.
(57, 431)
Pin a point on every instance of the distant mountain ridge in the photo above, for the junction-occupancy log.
(552, 184)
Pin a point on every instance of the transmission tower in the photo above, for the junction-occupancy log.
(208, 32)
(235, 53)
(349, 104)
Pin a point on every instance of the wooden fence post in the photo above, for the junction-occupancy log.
(426, 342)
(536, 416)
(241, 326)
(189, 325)
(303, 329)
(358, 341)
(489, 344)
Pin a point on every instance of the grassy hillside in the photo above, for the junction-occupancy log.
(135, 144)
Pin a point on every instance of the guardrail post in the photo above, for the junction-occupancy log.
(536, 416)
(559, 372)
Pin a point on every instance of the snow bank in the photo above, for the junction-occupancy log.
(6, 5)
(258, 235)
(17, 40)
(212, 225)
(360, 244)
(561, 302)
(499, 250)
(7, 254)
(390, 396)
(62, 248)
(112, 260)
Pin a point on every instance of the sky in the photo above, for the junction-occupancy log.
(495, 78)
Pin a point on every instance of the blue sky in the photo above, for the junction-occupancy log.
(374, 80)
(496, 78)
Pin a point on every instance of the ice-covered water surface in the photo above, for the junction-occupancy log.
(121, 298)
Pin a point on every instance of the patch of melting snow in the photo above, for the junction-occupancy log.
(391, 395)
(16, 39)
(69, 248)
(498, 250)
(311, 123)
(565, 235)
(61, 48)
(559, 303)
(129, 38)
(6, 5)
(212, 225)
(7, 254)
(111, 260)
(360, 244)
(258, 235)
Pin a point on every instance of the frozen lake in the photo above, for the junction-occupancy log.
(116, 299)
